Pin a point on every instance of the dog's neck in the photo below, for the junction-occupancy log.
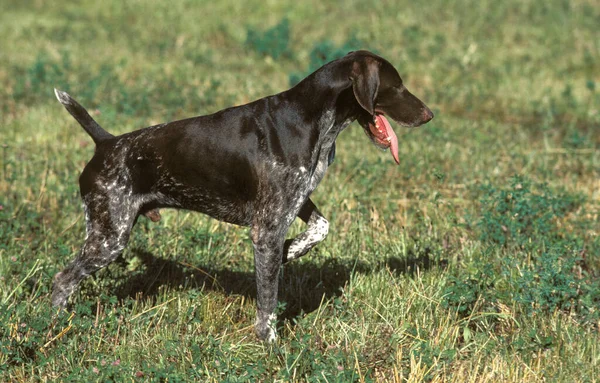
(328, 100)
(327, 93)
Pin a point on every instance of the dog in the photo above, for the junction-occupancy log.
(253, 165)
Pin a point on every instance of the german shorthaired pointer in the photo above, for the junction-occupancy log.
(252, 165)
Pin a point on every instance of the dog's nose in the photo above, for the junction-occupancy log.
(427, 115)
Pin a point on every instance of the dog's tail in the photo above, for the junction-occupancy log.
(83, 117)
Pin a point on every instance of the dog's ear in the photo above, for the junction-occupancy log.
(365, 82)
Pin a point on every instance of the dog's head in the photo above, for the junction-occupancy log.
(379, 90)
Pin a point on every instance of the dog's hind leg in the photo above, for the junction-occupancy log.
(317, 230)
(108, 225)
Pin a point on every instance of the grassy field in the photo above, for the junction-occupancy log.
(476, 259)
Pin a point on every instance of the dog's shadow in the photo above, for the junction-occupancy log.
(303, 285)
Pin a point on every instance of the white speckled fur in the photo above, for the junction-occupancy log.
(318, 229)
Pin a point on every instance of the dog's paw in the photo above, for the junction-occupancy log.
(266, 329)
(61, 291)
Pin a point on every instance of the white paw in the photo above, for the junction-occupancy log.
(267, 330)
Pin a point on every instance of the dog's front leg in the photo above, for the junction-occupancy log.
(268, 248)
(317, 230)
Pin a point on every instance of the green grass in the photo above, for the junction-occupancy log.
(476, 259)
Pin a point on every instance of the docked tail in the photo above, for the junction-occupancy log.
(83, 117)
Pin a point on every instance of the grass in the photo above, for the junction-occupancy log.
(476, 259)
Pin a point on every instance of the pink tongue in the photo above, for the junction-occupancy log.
(394, 140)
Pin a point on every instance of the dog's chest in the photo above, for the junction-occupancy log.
(326, 149)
